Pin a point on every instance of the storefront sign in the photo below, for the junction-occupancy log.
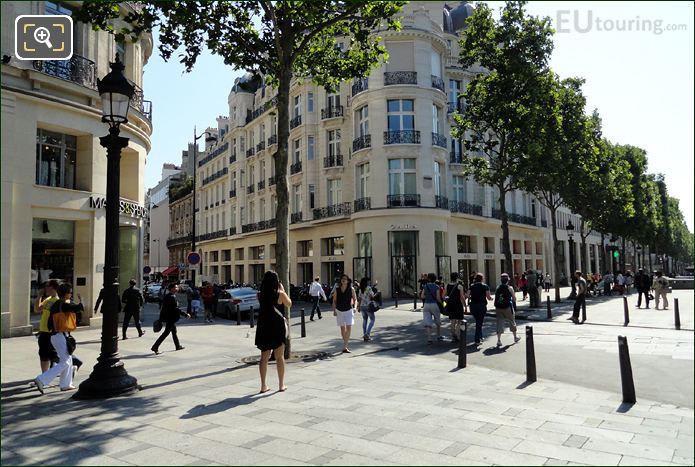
(489, 256)
(403, 227)
(125, 207)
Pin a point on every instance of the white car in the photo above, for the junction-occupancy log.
(245, 297)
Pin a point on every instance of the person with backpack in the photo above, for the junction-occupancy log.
(431, 296)
(505, 303)
(367, 307)
(455, 298)
(132, 303)
(62, 320)
(479, 294)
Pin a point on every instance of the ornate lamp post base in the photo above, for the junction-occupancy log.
(107, 380)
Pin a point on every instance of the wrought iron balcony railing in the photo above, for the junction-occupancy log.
(78, 69)
(260, 146)
(250, 152)
(521, 219)
(213, 154)
(455, 157)
(212, 235)
(232, 231)
(220, 173)
(232, 193)
(272, 140)
(296, 168)
(183, 240)
(295, 122)
(465, 208)
(402, 137)
(261, 185)
(272, 180)
(437, 83)
(544, 223)
(441, 202)
(400, 77)
(250, 189)
(335, 160)
(232, 158)
(295, 217)
(403, 201)
(332, 112)
(455, 107)
(139, 103)
(438, 140)
(359, 86)
(334, 210)
(361, 142)
(362, 204)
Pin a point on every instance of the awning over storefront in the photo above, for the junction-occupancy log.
(171, 271)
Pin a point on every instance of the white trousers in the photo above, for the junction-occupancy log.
(64, 365)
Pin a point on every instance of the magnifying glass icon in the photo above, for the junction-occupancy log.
(43, 36)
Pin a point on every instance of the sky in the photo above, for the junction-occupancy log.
(636, 57)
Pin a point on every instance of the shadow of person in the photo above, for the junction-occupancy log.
(496, 350)
(224, 405)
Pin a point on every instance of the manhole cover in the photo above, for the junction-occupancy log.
(294, 357)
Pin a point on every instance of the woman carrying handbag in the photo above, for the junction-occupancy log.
(272, 329)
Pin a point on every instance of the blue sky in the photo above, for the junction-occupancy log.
(640, 80)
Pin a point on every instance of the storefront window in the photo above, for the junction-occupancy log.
(52, 252)
(127, 256)
(403, 249)
(56, 158)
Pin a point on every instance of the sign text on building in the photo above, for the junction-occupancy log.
(125, 207)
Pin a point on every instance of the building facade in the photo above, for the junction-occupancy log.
(375, 179)
(54, 169)
(180, 228)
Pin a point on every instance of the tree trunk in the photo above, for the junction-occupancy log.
(506, 250)
(282, 230)
(556, 256)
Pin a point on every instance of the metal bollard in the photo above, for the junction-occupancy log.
(583, 311)
(303, 323)
(530, 356)
(396, 298)
(626, 380)
(252, 318)
(462, 344)
(238, 315)
(547, 304)
(676, 314)
(626, 312)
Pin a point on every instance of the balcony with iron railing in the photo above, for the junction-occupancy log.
(452, 107)
(183, 240)
(296, 168)
(295, 217)
(295, 122)
(455, 157)
(213, 154)
(139, 103)
(334, 210)
(362, 204)
(272, 180)
(77, 69)
(359, 86)
(260, 146)
(403, 201)
(332, 112)
(441, 202)
(251, 188)
(220, 173)
(257, 226)
(465, 208)
(250, 152)
(232, 158)
(272, 140)
(438, 83)
(232, 193)
(212, 235)
(514, 217)
(361, 142)
(335, 160)
(400, 77)
(544, 223)
(261, 185)
(258, 111)
(402, 137)
(438, 140)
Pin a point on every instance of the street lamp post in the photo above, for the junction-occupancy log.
(570, 230)
(196, 137)
(156, 240)
(109, 377)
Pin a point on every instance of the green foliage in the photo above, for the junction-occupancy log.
(179, 190)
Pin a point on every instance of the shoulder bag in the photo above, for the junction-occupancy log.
(71, 343)
(284, 320)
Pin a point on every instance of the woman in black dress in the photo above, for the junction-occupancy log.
(455, 297)
(272, 327)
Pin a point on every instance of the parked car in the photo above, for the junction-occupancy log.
(245, 297)
(152, 292)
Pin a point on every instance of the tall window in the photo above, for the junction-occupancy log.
(437, 171)
(333, 142)
(332, 100)
(252, 212)
(273, 206)
(56, 159)
(363, 180)
(454, 91)
(312, 196)
(252, 175)
(435, 119)
(310, 102)
(297, 109)
(456, 148)
(261, 172)
(459, 185)
(120, 50)
(362, 121)
(335, 191)
(234, 180)
(310, 148)
(261, 209)
(296, 199)
(401, 114)
(402, 177)
(296, 154)
(242, 144)
(262, 139)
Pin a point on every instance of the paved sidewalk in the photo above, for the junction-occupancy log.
(409, 405)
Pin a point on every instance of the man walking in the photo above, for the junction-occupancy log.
(132, 302)
(532, 281)
(208, 295)
(643, 283)
(316, 292)
(169, 315)
(580, 299)
(661, 289)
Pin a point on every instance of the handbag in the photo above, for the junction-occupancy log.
(157, 326)
(373, 307)
(71, 343)
(287, 324)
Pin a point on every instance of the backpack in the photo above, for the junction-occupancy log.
(503, 297)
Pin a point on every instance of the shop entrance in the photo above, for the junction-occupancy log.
(444, 267)
(52, 254)
(403, 249)
(305, 273)
(332, 271)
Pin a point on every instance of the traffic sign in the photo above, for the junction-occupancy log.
(193, 258)
(147, 270)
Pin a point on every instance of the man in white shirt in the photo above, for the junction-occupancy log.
(316, 292)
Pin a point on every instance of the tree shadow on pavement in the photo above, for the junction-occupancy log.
(202, 410)
(190, 378)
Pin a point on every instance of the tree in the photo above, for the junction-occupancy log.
(276, 39)
(502, 113)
